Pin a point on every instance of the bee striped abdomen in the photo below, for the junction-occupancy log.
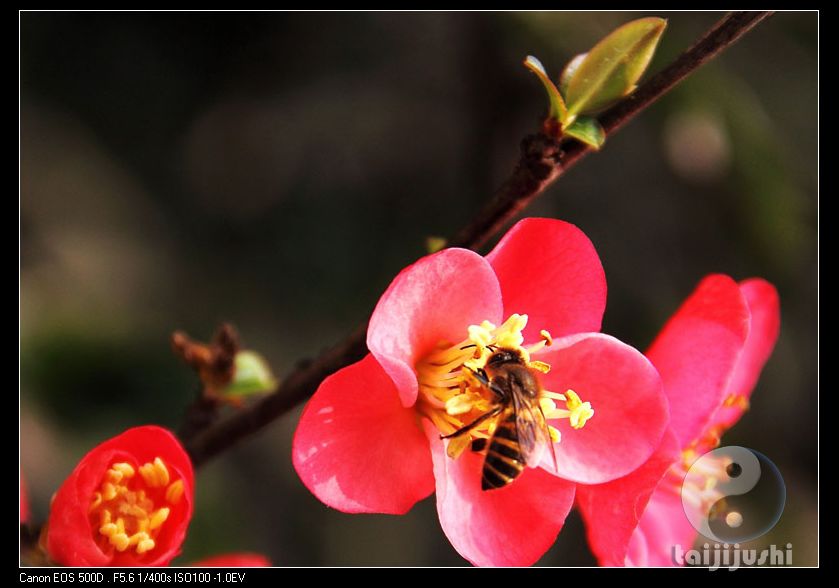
(503, 462)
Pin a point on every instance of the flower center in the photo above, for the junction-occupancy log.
(126, 510)
(697, 482)
(453, 390)
(698, 485)
(695, 479)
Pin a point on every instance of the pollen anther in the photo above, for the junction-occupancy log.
(123, 510)
(453, 388)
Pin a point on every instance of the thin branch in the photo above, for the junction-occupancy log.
(542, 161)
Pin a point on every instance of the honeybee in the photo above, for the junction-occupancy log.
(521, 436)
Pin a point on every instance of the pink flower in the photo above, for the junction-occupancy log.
(709, 355)
(369, 439)
(234, 560)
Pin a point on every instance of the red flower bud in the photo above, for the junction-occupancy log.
(127, 503)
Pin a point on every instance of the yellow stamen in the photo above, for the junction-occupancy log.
(162, 472)
(155, 474)
(124, 509)
(697, 481)
(148, 474)
(688, 457)
(738, 400)
(125, 469)
(548, 405)
(97, 500)
(509, 334)
(174, 492)
(137, 537)
(457, 445)
(556, 436)
(540, 366)
(547, 337)
(109, 491)
(460, 404)
(114, 475)
(554, 395)
(158, 518)
(453, 395)
(580, 411)
(480, 335)
(120, 541)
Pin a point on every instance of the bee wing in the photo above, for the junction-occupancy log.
(532, 429)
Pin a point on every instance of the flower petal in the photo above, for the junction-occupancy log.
(630, 410)
(433, 300)
(69, 533)
(358, 449)
(664, 526)
(234, 560)
(150, 441)
(764, 307)
(696, 353)
(612, 510)
(549, 270)
(510, 526)
(636, 551)
(24, 501)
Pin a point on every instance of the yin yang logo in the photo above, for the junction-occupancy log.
(733, 494)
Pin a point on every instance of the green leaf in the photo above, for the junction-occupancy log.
(253, 375)
(568, 72)
(613, 66)
(557, 110)
(587, 130)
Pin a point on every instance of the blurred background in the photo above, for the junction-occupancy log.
(277, 170)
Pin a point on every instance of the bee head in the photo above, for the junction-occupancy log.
(502, 356)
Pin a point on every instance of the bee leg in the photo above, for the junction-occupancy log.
(481, 375)
(479, 445)
(473, 424)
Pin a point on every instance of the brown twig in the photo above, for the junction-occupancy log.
(542, 161)
(214, 362)
(30, 552)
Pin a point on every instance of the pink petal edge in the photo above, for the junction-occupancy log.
(433, 300)
(549, 270)
(764, 308)
(613, 510)
(664, 526)
(510, 526)
(357, 449)
(697, 351)
(630, 409)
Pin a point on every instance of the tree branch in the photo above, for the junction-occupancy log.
(542, 161)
